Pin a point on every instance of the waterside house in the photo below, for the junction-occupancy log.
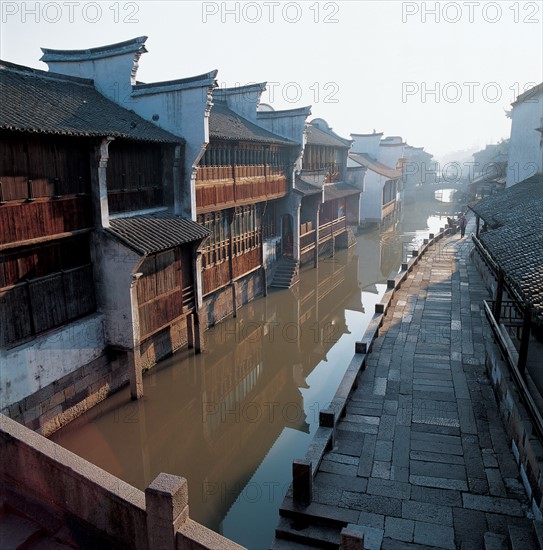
(329, 205)
(379, 203)
(526, 142)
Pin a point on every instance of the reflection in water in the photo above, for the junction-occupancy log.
(232, 419)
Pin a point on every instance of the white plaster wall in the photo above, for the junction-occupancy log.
(371, 199)
(368, 144)
(243, 100)
(182, 112)
(113, 267)
(29, 367)
(111, 75)
(390, 154)
(526, 143)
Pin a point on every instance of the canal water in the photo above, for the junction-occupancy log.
(232, 420)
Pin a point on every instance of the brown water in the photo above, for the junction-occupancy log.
(232, 419)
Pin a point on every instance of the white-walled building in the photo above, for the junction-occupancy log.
(526, 143)
(382, 181)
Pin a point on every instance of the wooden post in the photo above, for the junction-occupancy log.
(499, 294)
(525, 341)
(231, 263)
(29, 190)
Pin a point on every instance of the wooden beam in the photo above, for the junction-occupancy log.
(525, 340)
(499, 296)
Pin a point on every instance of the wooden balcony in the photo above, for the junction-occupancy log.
(161, 311)
(215, 277)
(219, 187)
(388, 209)
(21, 222)
(308, 241)
(129, 200)
(218, 275)
(332, 228)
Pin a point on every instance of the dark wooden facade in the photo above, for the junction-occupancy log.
(45, 217)
(166, 289)
(236, 186)
(324, 158)
(135, 176)
(230, 175)
(234, 247)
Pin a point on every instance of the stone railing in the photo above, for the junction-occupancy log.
(36, 470)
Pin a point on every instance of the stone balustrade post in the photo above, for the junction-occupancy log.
(167, 505)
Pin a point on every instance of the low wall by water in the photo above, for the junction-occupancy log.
(34, 469)
(59, 402)
(224, 302)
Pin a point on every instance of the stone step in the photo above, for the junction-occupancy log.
(318, 513)
(521, 538)
(493, 541)
(318, 536)
(16, 532)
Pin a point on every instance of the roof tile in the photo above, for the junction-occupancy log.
(40, 101)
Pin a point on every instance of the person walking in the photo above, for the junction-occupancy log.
(462, 224)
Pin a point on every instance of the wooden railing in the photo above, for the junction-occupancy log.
(513, 360)
(222, 186)
(215, 276)
(307, 241)
(244, 263)
(23, 221)
(387, 209)
(334, 227)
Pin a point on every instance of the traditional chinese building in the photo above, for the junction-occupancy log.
(97, 273)
(242, 185)
(329, 205)
(509, 255)
(379, 203)
(526, 143)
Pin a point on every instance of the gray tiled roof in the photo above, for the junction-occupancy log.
(156, 232)
(44, 102)
(306, 188)
(316, 136)
(228, 125)
(339, 190)
(375, 166)
(515, 237)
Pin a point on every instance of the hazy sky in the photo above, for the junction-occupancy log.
(440, 80)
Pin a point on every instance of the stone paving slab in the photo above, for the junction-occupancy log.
(434, 467)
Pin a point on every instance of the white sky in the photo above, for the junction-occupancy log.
(362, 65)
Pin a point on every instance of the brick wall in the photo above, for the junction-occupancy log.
(56, 404)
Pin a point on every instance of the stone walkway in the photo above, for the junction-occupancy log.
(421, 459)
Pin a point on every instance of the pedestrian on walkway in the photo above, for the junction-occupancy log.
(462, 224)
